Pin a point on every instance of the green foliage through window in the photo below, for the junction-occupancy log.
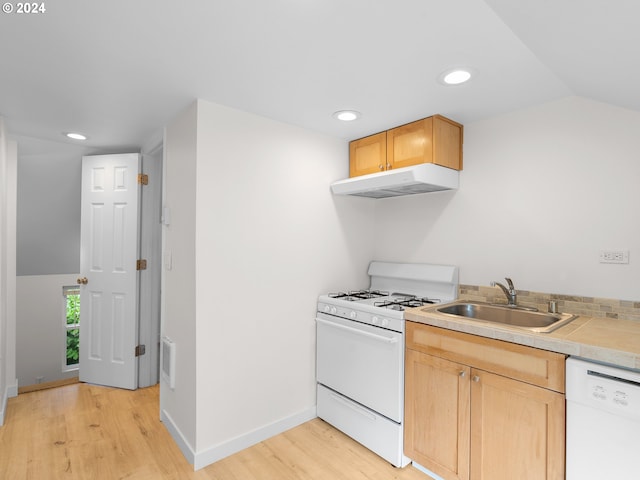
(73, 346)
(73, 334)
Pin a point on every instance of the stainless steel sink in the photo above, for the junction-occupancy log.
(508, 316)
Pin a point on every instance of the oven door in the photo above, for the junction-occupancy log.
(362, 362)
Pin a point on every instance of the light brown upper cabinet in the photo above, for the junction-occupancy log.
(434, 139)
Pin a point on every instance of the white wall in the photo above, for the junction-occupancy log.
(8, 168)
(49, 188)
(178, 406)
(40, 335)
(542, 192)
(43, 227)
(270, 237)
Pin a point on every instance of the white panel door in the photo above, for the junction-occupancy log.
(108, 276)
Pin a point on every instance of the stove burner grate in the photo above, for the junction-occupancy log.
(406, 302)
(355, 295)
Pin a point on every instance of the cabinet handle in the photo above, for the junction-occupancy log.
(388, 166)
(462, 374)
(381, 167)
(476, 378)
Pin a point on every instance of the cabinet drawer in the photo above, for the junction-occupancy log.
(528, 364)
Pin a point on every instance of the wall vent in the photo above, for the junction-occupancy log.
(168, 362)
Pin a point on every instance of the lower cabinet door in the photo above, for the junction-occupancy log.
(517, 430)
(437, 414)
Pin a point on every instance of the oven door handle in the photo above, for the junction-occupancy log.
(379, 338)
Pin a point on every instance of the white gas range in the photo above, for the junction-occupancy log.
(360, 351)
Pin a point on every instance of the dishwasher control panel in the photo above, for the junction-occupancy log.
(604, 387)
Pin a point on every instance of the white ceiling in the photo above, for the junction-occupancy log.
(120, 70)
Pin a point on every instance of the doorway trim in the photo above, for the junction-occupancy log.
(150, 279)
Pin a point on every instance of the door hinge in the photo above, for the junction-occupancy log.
(141, 264)
(140, 350)
(143, 179)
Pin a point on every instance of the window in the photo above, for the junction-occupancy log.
(71, 297)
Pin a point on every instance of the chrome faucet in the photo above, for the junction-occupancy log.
(512, 295)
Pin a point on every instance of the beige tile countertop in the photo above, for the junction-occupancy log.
(608, 340)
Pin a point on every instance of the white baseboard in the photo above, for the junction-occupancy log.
(212, 454)
(426, 471)
(3, 407)
(218, 452)
(177, 436)
(10, 391)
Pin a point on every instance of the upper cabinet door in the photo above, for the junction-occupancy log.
(434, 139)
(368, 155)
(410, 144)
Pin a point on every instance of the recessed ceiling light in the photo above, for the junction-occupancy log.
(347, 115)
(456, 76)
(76, 136)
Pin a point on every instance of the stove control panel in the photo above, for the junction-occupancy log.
(383, 322)
(375, 319)
(330, 309)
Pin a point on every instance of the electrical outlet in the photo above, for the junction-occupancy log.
(614, 256)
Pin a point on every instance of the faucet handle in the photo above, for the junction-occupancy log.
(510, 283)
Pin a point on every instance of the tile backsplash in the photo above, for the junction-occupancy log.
(586, 306)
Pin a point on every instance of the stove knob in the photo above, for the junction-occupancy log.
(327, 308)
(375, 320)
(334, 310)
(353, 314)
(385, 322)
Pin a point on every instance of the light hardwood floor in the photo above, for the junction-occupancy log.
(90, 432)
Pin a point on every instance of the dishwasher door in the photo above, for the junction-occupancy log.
(603, 421)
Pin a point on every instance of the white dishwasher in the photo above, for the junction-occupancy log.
(603, 421)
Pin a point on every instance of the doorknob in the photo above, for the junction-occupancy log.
(82, 280)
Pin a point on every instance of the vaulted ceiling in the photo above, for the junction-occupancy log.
(118, 71)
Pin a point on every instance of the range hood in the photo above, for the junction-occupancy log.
(422, 178)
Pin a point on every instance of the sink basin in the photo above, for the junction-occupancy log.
(513, 317)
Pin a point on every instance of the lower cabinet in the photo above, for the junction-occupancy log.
(437, 406)
(469, 415)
